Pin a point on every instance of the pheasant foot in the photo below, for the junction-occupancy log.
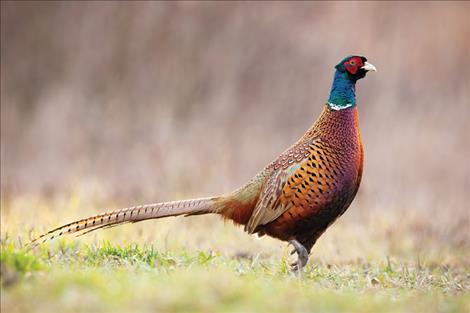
(302, 254)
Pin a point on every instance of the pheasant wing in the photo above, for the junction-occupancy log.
(279, 192)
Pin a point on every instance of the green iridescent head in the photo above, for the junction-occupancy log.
(348, 72)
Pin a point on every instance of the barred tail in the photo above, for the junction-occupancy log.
(132, 215)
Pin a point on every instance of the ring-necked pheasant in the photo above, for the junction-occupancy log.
(297, 196)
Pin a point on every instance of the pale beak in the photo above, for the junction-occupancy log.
(369, 67)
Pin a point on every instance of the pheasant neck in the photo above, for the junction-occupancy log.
(343, 92)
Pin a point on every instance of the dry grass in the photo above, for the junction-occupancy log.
(201, 264)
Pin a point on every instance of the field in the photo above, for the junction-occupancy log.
(200, 264)
(107, 105)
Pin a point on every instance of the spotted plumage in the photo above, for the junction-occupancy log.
(297, 196)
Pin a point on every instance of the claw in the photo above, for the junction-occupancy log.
(302, 256)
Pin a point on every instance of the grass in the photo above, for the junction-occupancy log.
(199, 264)
(126, 278)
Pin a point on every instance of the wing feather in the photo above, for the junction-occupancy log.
(280, 187)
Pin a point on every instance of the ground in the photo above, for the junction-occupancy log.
(203, 264)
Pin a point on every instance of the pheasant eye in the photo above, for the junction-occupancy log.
(352, 63)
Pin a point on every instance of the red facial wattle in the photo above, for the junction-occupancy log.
(353, 64)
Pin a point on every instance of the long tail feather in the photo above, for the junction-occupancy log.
(131, 215)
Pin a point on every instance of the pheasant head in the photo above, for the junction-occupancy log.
(348, 72)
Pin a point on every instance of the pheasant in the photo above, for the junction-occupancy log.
(296, 197)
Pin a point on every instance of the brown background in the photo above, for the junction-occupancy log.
(154, 101)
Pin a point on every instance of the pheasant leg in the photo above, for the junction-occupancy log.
(302, 254)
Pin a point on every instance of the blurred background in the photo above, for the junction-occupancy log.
(142, 102)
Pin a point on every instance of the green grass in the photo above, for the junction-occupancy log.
(107, 277)
(374, 263)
